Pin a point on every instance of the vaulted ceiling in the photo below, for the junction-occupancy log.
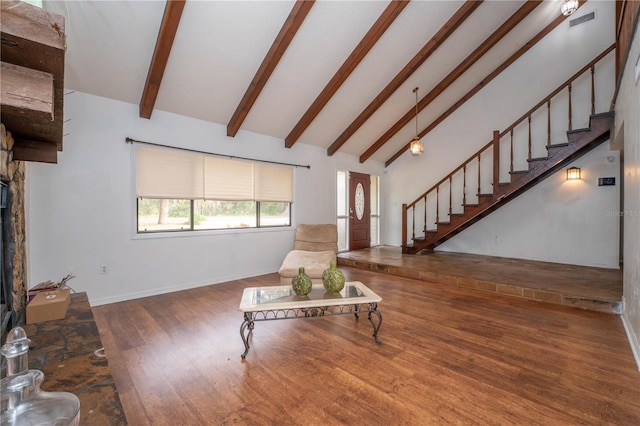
(336, 74)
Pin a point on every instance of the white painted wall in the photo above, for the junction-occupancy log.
(81, 211)
(543, 223)
(628, 129)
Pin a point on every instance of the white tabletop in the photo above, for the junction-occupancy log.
(283, 297)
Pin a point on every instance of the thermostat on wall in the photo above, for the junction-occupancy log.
(608, 181)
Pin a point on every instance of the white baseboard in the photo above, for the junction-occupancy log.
(171, 289)
(633, 339)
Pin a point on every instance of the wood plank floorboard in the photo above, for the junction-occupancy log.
(450, 355)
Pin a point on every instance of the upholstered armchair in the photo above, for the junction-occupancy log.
(314, 248)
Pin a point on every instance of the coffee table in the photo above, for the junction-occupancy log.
(281, 302)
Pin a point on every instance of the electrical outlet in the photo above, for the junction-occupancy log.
(104, 269)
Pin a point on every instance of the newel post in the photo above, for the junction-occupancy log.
(496, 162)
(404, 225)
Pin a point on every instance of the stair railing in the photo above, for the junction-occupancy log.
(493, 147)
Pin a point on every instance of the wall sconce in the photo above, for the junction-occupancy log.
(573, 173)
(569, 6)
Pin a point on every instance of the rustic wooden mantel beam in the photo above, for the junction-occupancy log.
(25, 94)
(38, 151)
(34, 38)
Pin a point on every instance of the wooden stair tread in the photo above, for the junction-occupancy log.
(518, 172)
(558, 145)
(430, 233)
(531, 160)
(582, 130)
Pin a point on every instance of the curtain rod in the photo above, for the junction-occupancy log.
(131, 141)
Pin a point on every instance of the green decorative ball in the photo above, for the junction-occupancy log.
(301, 283)
(333, 278)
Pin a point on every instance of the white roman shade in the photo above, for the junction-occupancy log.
(176, 174)
(228, 180)
(273, 183)
(168, 174)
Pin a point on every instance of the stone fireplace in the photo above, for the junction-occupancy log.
(13, 253)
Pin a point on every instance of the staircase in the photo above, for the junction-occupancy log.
(502, 150)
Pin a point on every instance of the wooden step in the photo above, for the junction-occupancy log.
(557, 145)
(430, 233)
(533, 160)
(582, 130)
(518, 172)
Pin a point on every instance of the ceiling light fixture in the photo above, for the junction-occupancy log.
(569, 6)
(416, 147)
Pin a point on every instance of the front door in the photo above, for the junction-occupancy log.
(359, 205)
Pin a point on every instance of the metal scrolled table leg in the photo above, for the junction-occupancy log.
(373, 309)
(247, 324)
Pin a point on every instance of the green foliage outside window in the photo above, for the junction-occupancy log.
(155, 215)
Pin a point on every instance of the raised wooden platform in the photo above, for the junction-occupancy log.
(596, 289)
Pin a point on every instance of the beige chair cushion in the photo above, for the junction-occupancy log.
(323, 237)
(314, 263)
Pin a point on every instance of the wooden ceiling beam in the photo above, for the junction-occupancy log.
(288, 31)
(376, 31)
(483, 48)
(443, 33)
(168, 28)
(483, 83)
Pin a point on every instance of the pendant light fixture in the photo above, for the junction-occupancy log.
(569, 6)
(416, 147)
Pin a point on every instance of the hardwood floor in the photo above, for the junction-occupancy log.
(449, 355)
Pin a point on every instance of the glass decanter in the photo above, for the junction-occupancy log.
(23, 403)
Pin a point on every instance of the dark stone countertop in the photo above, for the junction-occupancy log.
(64, 351)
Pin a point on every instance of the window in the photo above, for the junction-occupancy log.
(185, 191)
(342, 216)
(375, 210)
